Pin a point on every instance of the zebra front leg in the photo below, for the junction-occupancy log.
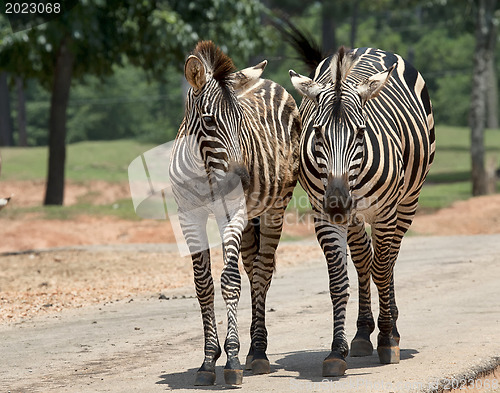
(333, 241)
(394, 311)
(231, 289)
(362, 256)
(197, 241)
(405, 212)
(205, 293)
(387, 346)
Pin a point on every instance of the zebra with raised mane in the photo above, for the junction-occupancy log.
(366, 148)
(238, 129)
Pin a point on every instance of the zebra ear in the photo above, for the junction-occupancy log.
(194, 70)
(371, 87)
(305, 86)
(248, 76)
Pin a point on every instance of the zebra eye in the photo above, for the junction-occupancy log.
(361, 129)
(317, 129)
(209, 120)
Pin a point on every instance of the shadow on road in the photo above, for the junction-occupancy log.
(185, 380)
(308, 365)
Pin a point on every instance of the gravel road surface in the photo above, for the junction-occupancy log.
(448, 293)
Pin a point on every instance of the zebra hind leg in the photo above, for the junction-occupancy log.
(268, 233)
(249, 248)
(362, 256)
(406, 212)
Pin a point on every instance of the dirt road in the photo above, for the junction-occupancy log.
(448, 295)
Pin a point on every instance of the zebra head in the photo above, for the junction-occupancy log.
(338, 121)
(213, 116)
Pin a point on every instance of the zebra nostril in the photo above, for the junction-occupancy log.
(337, 204)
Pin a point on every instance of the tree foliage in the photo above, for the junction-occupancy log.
(436, 35)
(97, 36)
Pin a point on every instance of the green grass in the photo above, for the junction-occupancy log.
(20, 163)
(449, 179)
(107, 161)
(299, 201)
(123, 209)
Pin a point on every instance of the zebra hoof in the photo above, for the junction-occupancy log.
(248, 362)
(396, 335)
(388, 355)
(204, 378)
(233, 377)
(261, 366)
(361, 347)
(334, 366)
(388, 350)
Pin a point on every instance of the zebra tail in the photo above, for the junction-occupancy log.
(302, 42)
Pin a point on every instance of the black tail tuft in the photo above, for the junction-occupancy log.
(304, 44)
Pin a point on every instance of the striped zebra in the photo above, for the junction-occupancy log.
(238, 129)
(367, 145)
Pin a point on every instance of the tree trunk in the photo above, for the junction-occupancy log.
(328, 27)
(54, 194)
(492, 96)
(484, 31)
(21, 113)
(492, 86)
(5, 119)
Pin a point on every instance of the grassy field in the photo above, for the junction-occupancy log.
(448, 180)
(106, 161)
(84, 161)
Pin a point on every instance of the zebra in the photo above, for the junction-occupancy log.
(367, 146)
(237, 129)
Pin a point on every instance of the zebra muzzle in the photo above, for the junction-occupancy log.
(337, 202)
(236, 175)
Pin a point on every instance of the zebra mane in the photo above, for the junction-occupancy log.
(217, 62)
(220, 66)
(340, 67)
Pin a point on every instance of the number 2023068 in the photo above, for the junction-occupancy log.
(32, 8)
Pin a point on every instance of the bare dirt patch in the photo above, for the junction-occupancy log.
(34, 233)
(31, 192)
(42, 282)
(480, 215)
